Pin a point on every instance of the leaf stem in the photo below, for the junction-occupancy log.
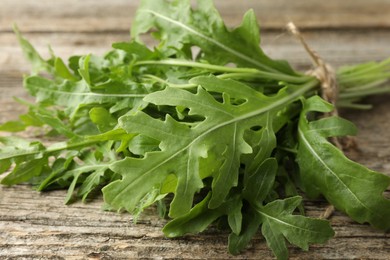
(247, 72)
(364, 93)
(64, 146)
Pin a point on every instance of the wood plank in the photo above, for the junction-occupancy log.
(41, 226)
(336, 47)
(116, 15)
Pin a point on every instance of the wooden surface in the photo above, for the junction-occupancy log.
(34, 225)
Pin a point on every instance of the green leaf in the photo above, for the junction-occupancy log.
(59, 166)
(233, 208)
(25, 171)
(37, 62)
(72, 95)
(182, 147)
(5, 165)
(134, 48)
(260, 182)
(84, 68)
(141, 144)
(324, 169)
(102, 118)
(62, 71)
(17, 149)
(279, 223)
(195, 221)
(201, 216)
(56, 124)
(275, 241)
(263, 142)
(142, 175)
(90, 183)
(96, 170)
(149, 199)
(178, 24)
(250, 225)
(12, 126)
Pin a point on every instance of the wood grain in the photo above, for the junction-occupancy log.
(42, 227)
(115, 15)
(37, 225)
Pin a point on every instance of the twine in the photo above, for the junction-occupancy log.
(322, 70)
(326, 75)
(329, 89)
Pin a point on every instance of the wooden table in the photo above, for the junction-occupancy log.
(38, 225)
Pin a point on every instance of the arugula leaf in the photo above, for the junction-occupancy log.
(74, 94)
(223, 123)
(95, 173)
(276, 219)
(13, 126)
(178, 24)
(30, 53)
(260, 182)
(279, 223)
(17, 150)
(324, 169)
(250, 226)
(195, 221)
(24, 171)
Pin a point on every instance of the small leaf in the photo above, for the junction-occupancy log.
(13, 126)
(56, 124)
(75, 174)
(84, 68)
(250, 225)
(135, 48)
(102, 118)
(37, 62)
(195, 221)
(90, 183)
(62, 71)
(275, 241)
(5, 165)
(232, 208)
(260, 182)
(25, 171)
(279, 223)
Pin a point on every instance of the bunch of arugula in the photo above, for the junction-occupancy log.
(218, 133)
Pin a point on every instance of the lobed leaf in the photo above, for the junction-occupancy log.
(178, 24)
(221, 133)
(279, 224)
(324, 169)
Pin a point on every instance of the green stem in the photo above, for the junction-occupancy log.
(368, 68)
(370, 77)
(173, 85)
(224, 69)
(287, 149)
(364, 93)
(58, 147)
(370, 85)
(50, 150)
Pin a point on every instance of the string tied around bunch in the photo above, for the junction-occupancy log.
(323, 71)
(326, 75)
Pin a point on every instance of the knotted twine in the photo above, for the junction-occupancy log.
(326, 75)
(322, 71)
